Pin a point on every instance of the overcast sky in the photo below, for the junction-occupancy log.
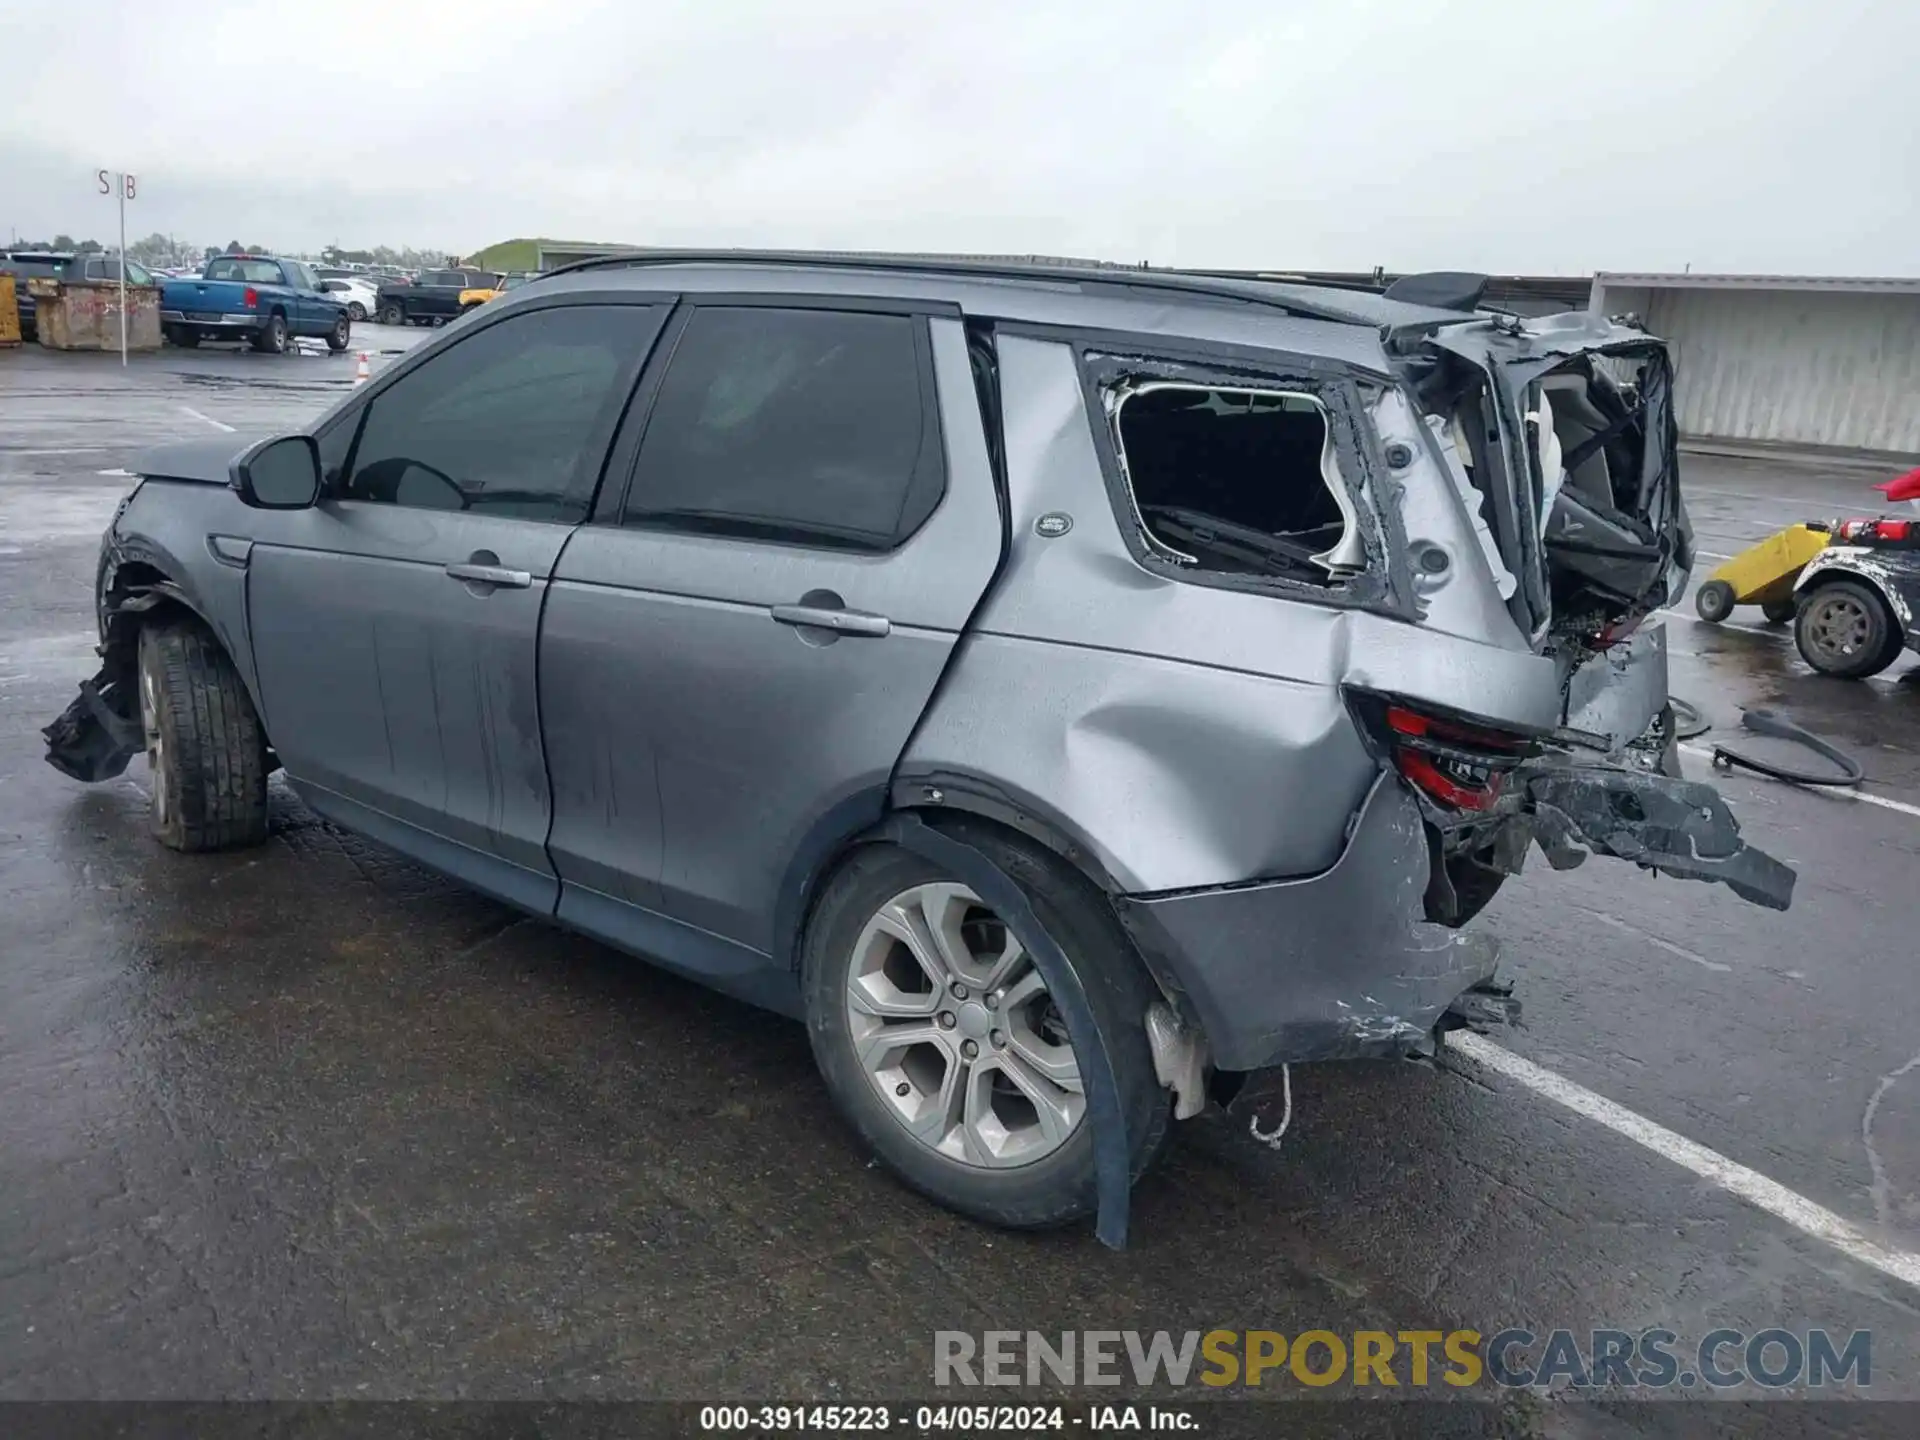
(1749, 135)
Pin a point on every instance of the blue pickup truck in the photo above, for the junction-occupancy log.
(254, 298)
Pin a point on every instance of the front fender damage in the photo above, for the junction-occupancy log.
(1675, 827)
(96, 736)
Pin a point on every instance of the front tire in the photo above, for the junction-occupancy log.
(942, 1047)
(206, 751)
(1845, 629)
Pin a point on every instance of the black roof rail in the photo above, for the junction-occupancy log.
(1187, 282)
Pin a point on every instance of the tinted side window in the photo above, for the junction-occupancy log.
(502, 422)
(810, 426)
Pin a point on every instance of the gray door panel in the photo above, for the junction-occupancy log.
(399, 686)
(395, 625)
(694, 738)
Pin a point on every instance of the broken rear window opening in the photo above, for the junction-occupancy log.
(1242, 481)
(1599, 432)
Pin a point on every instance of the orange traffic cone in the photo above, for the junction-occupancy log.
(362, 374)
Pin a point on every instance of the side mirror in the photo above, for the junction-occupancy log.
(282, 474)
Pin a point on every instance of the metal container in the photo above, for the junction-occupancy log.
(85, 314)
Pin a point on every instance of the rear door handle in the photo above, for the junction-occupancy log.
(496, 575)
(841, 622)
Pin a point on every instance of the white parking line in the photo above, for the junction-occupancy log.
(189, 410)
(1658, 943)
(1832, 792)
(1736, 1179)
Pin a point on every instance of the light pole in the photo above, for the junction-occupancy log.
(124, 188)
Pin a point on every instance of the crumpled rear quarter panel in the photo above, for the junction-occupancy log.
(1182, 735)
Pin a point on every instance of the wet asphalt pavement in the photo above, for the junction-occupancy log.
(307, 1121)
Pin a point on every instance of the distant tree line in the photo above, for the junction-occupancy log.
(158, 249)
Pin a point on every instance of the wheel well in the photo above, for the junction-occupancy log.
(1866, 582)
(943, 818)
(1072, 859)
(141, 595)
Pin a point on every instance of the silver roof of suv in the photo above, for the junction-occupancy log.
(1038, 291)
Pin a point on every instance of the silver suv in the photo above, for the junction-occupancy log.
(1065, 687)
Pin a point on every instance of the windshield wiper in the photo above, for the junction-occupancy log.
(1256, 548)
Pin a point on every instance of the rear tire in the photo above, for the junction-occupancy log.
(184, 336)
(357, 312)
(206, 751)
(1715, 601)
(392, 314)
(340, 335)
(960, 1170)
(272, 337)
(1779, 612)
(1845, 629)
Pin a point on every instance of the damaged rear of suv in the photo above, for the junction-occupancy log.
(1057, 684)
(1407, 590)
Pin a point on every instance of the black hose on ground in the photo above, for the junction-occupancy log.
(1765, 722)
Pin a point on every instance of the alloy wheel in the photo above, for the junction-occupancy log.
(954, 1027)
(156, 745)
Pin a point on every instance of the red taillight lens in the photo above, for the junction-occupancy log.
(250, 297)
(1458, 765)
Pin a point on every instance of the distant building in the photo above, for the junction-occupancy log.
(1798, 359)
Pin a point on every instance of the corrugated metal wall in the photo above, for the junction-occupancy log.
(1818, 369)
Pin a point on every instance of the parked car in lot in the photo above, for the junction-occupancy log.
(361, 298)
(475, 298)
(254, 299)
(432, 299)
(1064, 688)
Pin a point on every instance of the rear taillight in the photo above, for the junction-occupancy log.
(1457, 764)
(250, 297)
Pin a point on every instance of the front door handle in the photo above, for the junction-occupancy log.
(497, 576)
(841, 622)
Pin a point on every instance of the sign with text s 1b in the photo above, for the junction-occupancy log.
(105, 178)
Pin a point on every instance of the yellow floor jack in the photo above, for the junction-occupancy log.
(1763, 574)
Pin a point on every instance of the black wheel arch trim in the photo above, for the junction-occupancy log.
(1112, 1181)
(143, 595)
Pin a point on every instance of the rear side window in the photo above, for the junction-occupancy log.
(253, 272)
(511, 421)
(813, 427)
(1241, 481)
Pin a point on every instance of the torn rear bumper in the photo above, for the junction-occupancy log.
(1675, 827)
(1340, 965)
(1346, 965)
